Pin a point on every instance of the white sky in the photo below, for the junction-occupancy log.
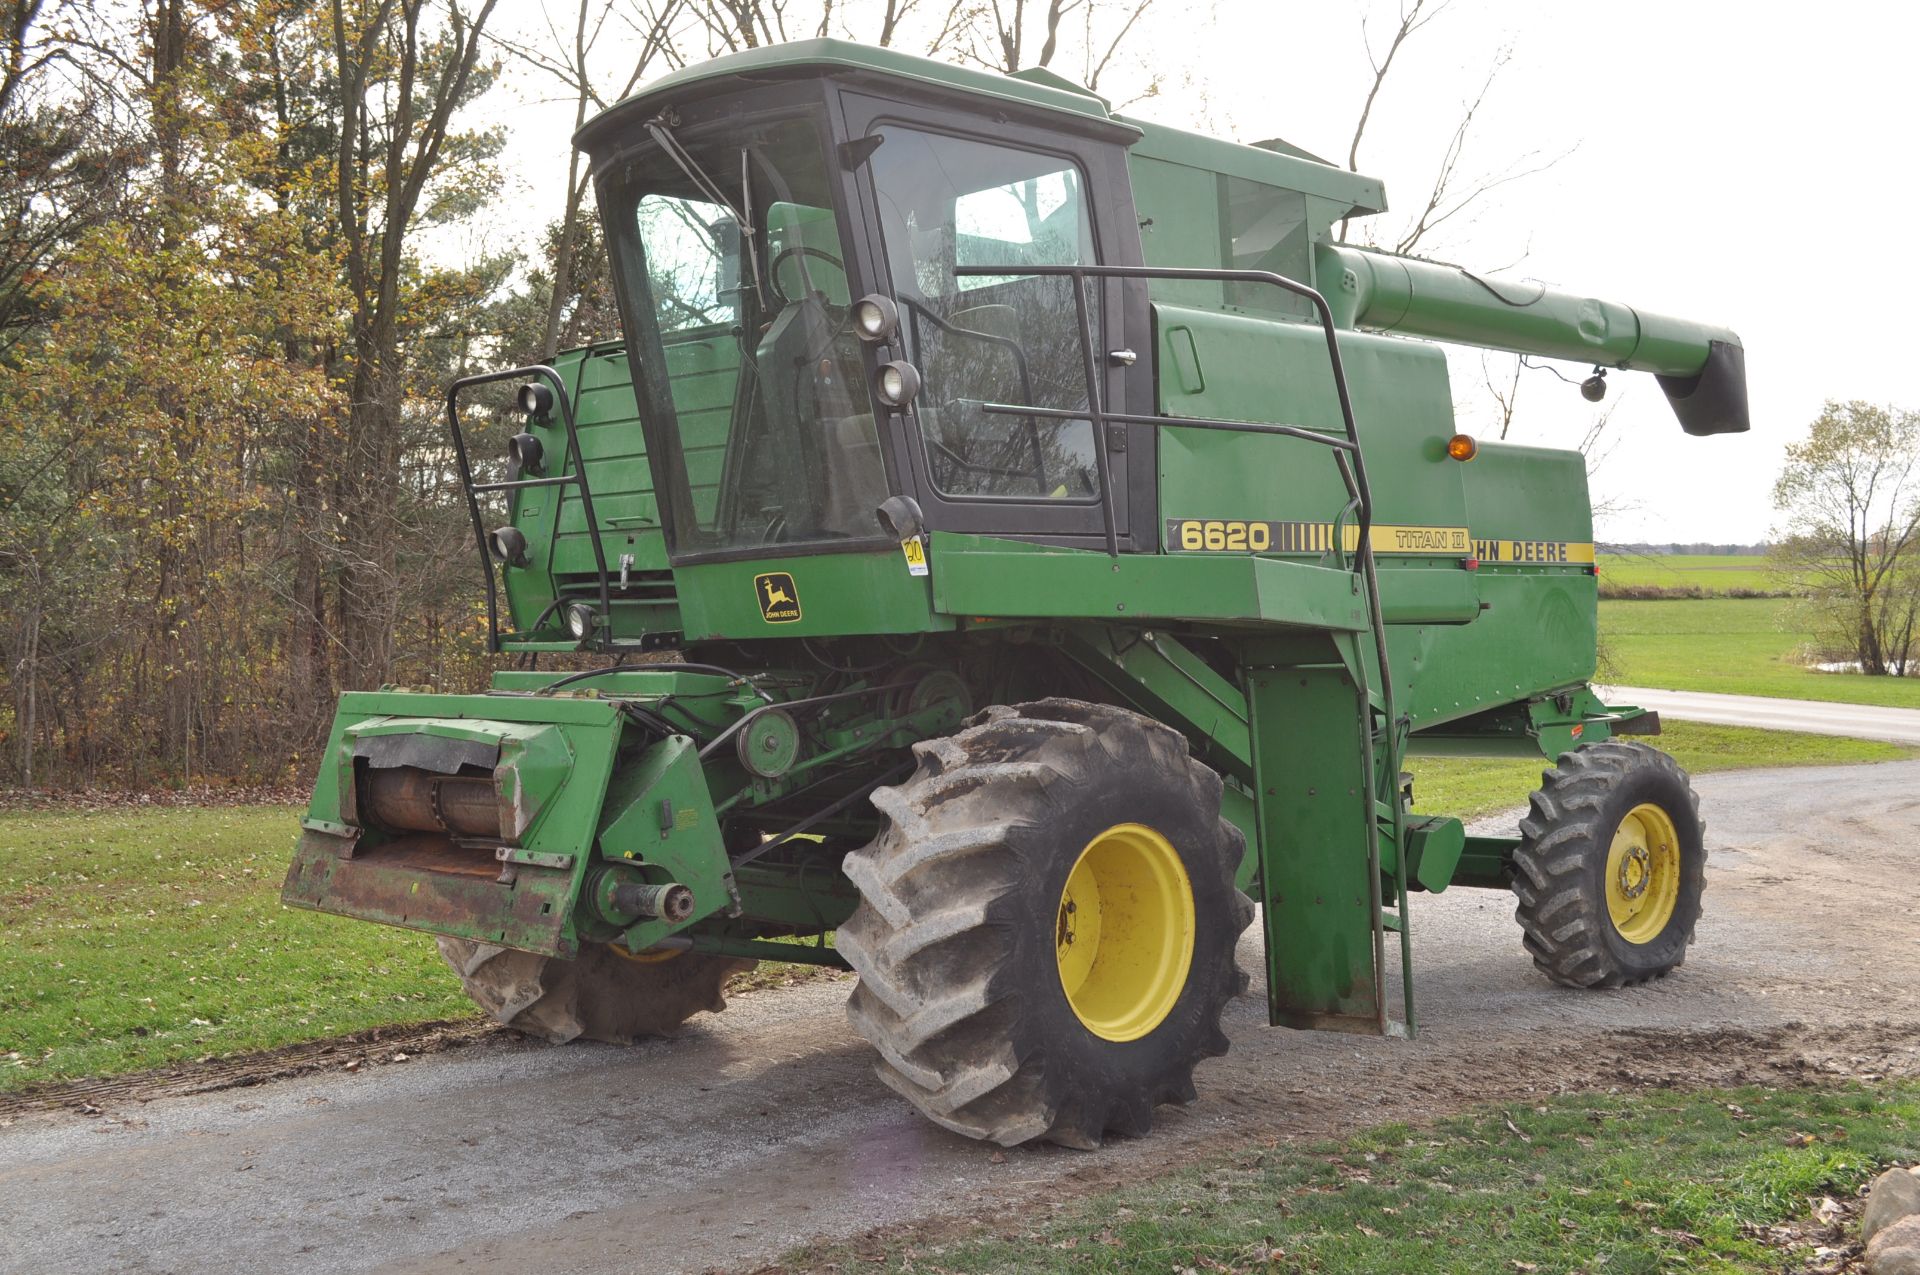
(1743, 164)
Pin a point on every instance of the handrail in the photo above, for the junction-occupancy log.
(1348, 458)
(577, 478)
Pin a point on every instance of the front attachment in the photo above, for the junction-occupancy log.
(475, 827)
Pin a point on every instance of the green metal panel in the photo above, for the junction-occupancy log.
(831, 56)
(1265, 164)
(978, 576)
(830, 593)
(659, 819)
(1434, 845)
(1318, 887)
(1276, 372)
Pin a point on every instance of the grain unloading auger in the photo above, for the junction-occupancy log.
(1043, 554)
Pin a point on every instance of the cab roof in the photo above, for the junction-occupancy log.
(1275, 162)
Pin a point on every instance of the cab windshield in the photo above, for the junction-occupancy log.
(731, 255)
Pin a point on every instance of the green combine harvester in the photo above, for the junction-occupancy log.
(1018, 539)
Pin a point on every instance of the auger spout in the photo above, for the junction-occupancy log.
(1702, 368)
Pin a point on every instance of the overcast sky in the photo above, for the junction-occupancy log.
(1744, 164)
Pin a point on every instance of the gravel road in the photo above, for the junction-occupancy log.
(764, 1127)
(1817, 717)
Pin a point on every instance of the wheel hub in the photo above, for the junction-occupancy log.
(1124, 932)
(1643, 873)
(1636, 869)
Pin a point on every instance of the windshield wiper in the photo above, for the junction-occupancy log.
(661, 134)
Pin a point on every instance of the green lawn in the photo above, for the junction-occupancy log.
(1634, 1184)
(1470, 786)
(1713, 573)
(1740, 646)
(131, 939)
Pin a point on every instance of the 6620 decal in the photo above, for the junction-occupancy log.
(1219, 535)
(1254, 535)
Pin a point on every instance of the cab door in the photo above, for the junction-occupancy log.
(942, 191)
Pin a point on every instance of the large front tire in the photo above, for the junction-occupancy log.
(1611, 867)
(604, 994)
(1045, 939)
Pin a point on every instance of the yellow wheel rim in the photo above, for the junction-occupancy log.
(1643, 873)
(1124, 932)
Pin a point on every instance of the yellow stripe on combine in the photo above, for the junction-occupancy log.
(1236, 535)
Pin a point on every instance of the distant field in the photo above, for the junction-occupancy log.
(1736, 646)
(1710, 573)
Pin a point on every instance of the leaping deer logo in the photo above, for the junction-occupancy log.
(779, 599)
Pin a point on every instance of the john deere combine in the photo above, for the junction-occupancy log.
(1022, 539)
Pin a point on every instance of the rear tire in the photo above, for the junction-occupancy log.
(604, 994)
(1040, 827)
(1611, 867)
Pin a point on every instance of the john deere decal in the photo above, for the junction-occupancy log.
(779, 600)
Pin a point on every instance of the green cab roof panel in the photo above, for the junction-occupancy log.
(1049, 92)
(1273, 162)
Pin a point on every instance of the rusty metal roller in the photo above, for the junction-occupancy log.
(410, 799)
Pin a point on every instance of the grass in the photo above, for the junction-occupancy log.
(1634, 1184)
(1471, 786)
(1742, 646)
(132, 939)
(1712, 573)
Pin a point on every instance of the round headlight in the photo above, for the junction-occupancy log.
(524, 454)
(509, 544)
(875, 318)
(581, 619)
(896, 383)
(535, 399)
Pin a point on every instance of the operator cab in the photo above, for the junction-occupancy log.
(745, 215)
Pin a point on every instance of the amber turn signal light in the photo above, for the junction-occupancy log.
(1462, 447)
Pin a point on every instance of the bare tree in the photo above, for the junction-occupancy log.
(655, 22)
(1453, 190)
(1850, 491)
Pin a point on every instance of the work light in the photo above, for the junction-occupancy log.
(875, 318)
(524, 455)
(896, 383)
(534, 399)
(509, 544)
(581, 620)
